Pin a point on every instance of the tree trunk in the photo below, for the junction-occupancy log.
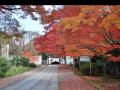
(73, 62)
(0, 50)
(104, 70)
(90, 68)
(65, 59)
(79, 64)
(117, 70)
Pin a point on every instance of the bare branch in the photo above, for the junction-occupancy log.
(10, 9)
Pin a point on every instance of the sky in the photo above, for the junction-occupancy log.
(28, 24)
(31, 25)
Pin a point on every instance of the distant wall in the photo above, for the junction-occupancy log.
(39, 60)
(69, 60)
(62, 61)
(85, 58)
(44, 62)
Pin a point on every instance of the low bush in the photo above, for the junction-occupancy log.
(4, 66)
(32, 65)
(17, 61)
(85, 69)
(24, 61)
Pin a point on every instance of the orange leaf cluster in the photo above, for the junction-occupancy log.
(82, 30)
(30, 56)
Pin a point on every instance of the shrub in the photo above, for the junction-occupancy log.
(15, 61)
(32, 65)
(24, 61)
(4, 66)
(85, 69)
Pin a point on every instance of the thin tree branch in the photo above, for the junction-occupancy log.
(10, 9)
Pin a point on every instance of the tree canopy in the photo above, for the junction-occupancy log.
(76, 30)
(82, 30)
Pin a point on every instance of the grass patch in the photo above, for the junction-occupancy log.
(17, 70)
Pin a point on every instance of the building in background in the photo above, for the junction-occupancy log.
(84, 58)
(38, 61)
(5, 51)
(53, 59)
(69, 60)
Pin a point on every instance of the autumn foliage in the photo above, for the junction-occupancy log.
(30, 56)
(82, 30)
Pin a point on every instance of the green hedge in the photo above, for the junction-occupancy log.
(24, 61)
(32, 65)
(4, 67)
(17, 61)
(85, 69)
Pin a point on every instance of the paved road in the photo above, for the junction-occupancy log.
(44, 80)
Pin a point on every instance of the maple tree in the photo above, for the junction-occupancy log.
(76, 30)
(30, 56)
(80, 30)
(51, 43)
(90, 29)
